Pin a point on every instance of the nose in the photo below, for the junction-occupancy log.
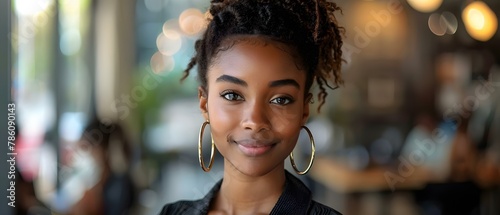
(256, 117)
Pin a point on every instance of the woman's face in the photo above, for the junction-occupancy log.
(255, 104)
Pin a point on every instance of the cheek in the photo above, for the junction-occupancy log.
(287, 124)
(287, 118)
(223, 118)
(289, 133)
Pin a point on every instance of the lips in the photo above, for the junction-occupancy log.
(254, 148)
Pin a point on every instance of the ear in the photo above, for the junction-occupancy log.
(305, 115)
(203, 97)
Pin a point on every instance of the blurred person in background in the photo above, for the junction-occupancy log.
(463, 154)
(470, 171)
(488, 149)
(256, 63)
(487, 171)
(435, 146)
(112, 190)
(28, 203)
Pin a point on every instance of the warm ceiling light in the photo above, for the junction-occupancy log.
(425, 6)
(480, 21)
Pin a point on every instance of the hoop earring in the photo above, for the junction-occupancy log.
(313, 149)
(200, 150)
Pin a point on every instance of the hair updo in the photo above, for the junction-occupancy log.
(307, 26)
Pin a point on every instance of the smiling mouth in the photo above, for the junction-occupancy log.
(254, 148)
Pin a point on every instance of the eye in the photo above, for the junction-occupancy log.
(282, 101)
(231, 96)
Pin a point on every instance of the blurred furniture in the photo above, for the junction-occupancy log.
(359, 188)
(341, 178)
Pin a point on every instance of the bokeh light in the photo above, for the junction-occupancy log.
(192, 21)
(451, 22)
(28, 7)
(169, 42)
(425, 6)
(441, 24)
(161, 63)
(436, 25)
(171, 24)
(480, 21)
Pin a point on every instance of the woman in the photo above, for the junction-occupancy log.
(257, 62)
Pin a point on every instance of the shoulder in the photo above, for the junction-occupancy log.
(192, 207)
(317, 208)
(182, 207)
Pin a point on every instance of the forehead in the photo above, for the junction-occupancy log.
(256, 55)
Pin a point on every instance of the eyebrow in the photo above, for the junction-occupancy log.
(284, 82)
(277, 83)
(231, 79)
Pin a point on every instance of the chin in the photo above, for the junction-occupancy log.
(256, 169)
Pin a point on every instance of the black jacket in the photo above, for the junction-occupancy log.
(295, 199)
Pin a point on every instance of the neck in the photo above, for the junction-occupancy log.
(243, 194)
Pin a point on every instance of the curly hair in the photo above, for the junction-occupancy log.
(307, 26)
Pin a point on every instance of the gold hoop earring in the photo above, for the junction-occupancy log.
(313, 149)
(200, 150)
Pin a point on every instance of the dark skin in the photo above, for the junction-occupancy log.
(256, 104)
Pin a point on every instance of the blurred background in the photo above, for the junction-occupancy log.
(414, 130)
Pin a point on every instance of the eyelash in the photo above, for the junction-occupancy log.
(289, 100)
(238, 97)
(230, 92)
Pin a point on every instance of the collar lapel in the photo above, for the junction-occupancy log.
(295, 199)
